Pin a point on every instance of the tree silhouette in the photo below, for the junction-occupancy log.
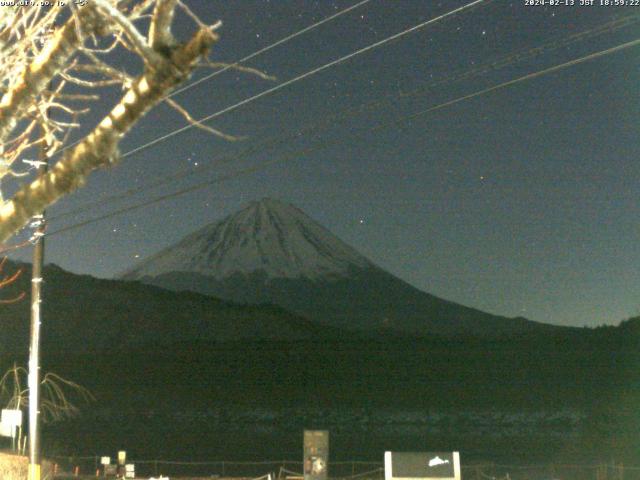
(59, 398)
(55, 60)
(6, 280)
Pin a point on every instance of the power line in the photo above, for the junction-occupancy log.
(267, 48)
(300, 77)
(570, 63)
(306, 75)
(251, 55)
(277, 140)
(554, 44)
(299, 153)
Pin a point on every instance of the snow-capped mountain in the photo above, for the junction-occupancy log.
(272, 252)
(268, 236)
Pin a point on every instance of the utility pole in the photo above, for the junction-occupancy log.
(34, 349)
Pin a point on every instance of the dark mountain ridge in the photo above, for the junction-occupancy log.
(83, 313)
(154, 358)
(272, 252)
(366, 301)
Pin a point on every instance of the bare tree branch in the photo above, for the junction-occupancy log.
(187, 116)
(34, 78)
(59, 400)
(8, 280)
(49, 76)
(150, 56)
(160, 35)
(99, 148)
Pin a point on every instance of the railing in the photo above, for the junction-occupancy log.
(68, 467)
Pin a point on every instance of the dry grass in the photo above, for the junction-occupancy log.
(15, 467)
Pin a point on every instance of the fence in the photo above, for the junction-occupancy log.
(550, 472)
(278, 468)
(356, 470)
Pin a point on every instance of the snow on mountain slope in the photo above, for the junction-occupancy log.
(271, 252)
(267, 236)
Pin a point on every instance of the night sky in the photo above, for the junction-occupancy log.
(520, 202)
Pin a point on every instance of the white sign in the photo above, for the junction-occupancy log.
(130, 470)
(422, 466)
(12, 417)
(7, 430)
(105, 460)
(10, 420)
(122, 457)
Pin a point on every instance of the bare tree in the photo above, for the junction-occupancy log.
(57, 402)
(60, 397)
(55, 59)
(6, 280)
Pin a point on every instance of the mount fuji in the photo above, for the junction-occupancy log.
(272, 252)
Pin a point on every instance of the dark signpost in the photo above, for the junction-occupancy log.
(316, 454)
(421, 465)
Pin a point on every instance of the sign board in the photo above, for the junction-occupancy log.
(9, 422)
(7, 430)
(122, 457)
(129, 470)
(105, 460)
(316, 454)
(422, 465)
(11, 417)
